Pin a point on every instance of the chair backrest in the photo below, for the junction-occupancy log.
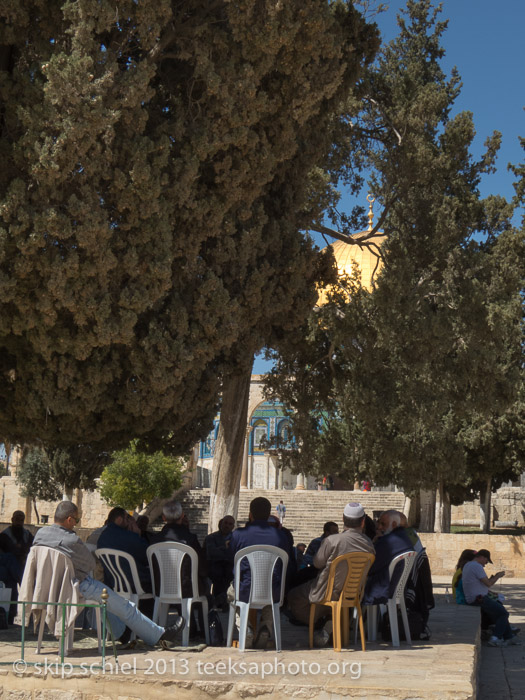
(123, 569)
(358, 566)
(408, 559)
(165, 563)
(49, 577)
(262, 559)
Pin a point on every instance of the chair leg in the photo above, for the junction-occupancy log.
(404, 615)
(276, 612)
(186, 614)
(134, 599)
(336, 627)
(40, 630)
(244, 610)
(68, 642)
(204, 603)
(371, 611)
(162, 614)
(231, 620)
(361, 627)
(392, 614)
(345, 612)
(311, 626)
(99, 628)
(156, 610)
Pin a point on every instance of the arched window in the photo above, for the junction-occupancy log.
(283, 433)
(259, 434)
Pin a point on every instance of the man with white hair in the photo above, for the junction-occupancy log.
(352, 539)
(176, 530)
(392, 540)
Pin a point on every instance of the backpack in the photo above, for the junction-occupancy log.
(215, 628)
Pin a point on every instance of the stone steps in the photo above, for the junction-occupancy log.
(306, 511)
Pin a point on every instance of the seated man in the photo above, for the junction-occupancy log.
(258, 531)
(329, 528)
(121, 532)
(352, 539)
(476, 587)
(20, 537)
(177, 530)
(391, 541)
(220, 558)
(300, 550)
(10, 573)
(121, 612)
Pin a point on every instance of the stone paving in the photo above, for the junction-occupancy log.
(444, 667)
(502, 671)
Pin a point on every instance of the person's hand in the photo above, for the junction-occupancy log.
(500, 574)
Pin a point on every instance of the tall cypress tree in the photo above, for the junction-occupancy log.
(155, 178)
(406, 380)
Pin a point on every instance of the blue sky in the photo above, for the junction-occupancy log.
(485, 41)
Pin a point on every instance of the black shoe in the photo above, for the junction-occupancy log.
(125, 636)
(172, 631)
(320, 623)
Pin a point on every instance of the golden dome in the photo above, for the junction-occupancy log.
(346, 254)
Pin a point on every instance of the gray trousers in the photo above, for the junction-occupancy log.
(299, 603)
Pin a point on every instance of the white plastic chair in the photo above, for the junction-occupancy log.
(40, 560)
(262, 560)
(408, 559)
(169, 557)
(113, 560)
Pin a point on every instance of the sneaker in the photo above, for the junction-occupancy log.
(172, 631)
(497, 642)
(263, 637)
(515, 630)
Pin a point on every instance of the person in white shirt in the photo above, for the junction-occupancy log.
(476, 587)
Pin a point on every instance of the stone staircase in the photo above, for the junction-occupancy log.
(306, 511)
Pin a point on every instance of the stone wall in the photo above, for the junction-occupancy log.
(93, 509)
(507, 552)
(508, 506)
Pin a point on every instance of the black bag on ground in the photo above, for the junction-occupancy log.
(418, 629)
(215, 628)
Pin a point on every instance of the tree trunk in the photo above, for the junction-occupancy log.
(411, 509)
(428, 510)
(443, 509)
(485, 498)
(36, 512)
(229, 448)
(67, 494)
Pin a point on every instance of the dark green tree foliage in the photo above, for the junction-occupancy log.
(77, 466)
(35, 476)
(155, 171)
(133, 478)
(420, 381)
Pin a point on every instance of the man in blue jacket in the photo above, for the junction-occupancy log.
(392, 540)
(258, 531)
(121, 532)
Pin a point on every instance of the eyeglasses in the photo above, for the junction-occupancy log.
(77, 520)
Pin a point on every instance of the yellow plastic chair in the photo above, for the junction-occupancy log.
(358, 564)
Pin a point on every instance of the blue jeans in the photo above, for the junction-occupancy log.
(121, 612)
(498, 615)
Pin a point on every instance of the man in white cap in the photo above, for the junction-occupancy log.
(352, 539)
